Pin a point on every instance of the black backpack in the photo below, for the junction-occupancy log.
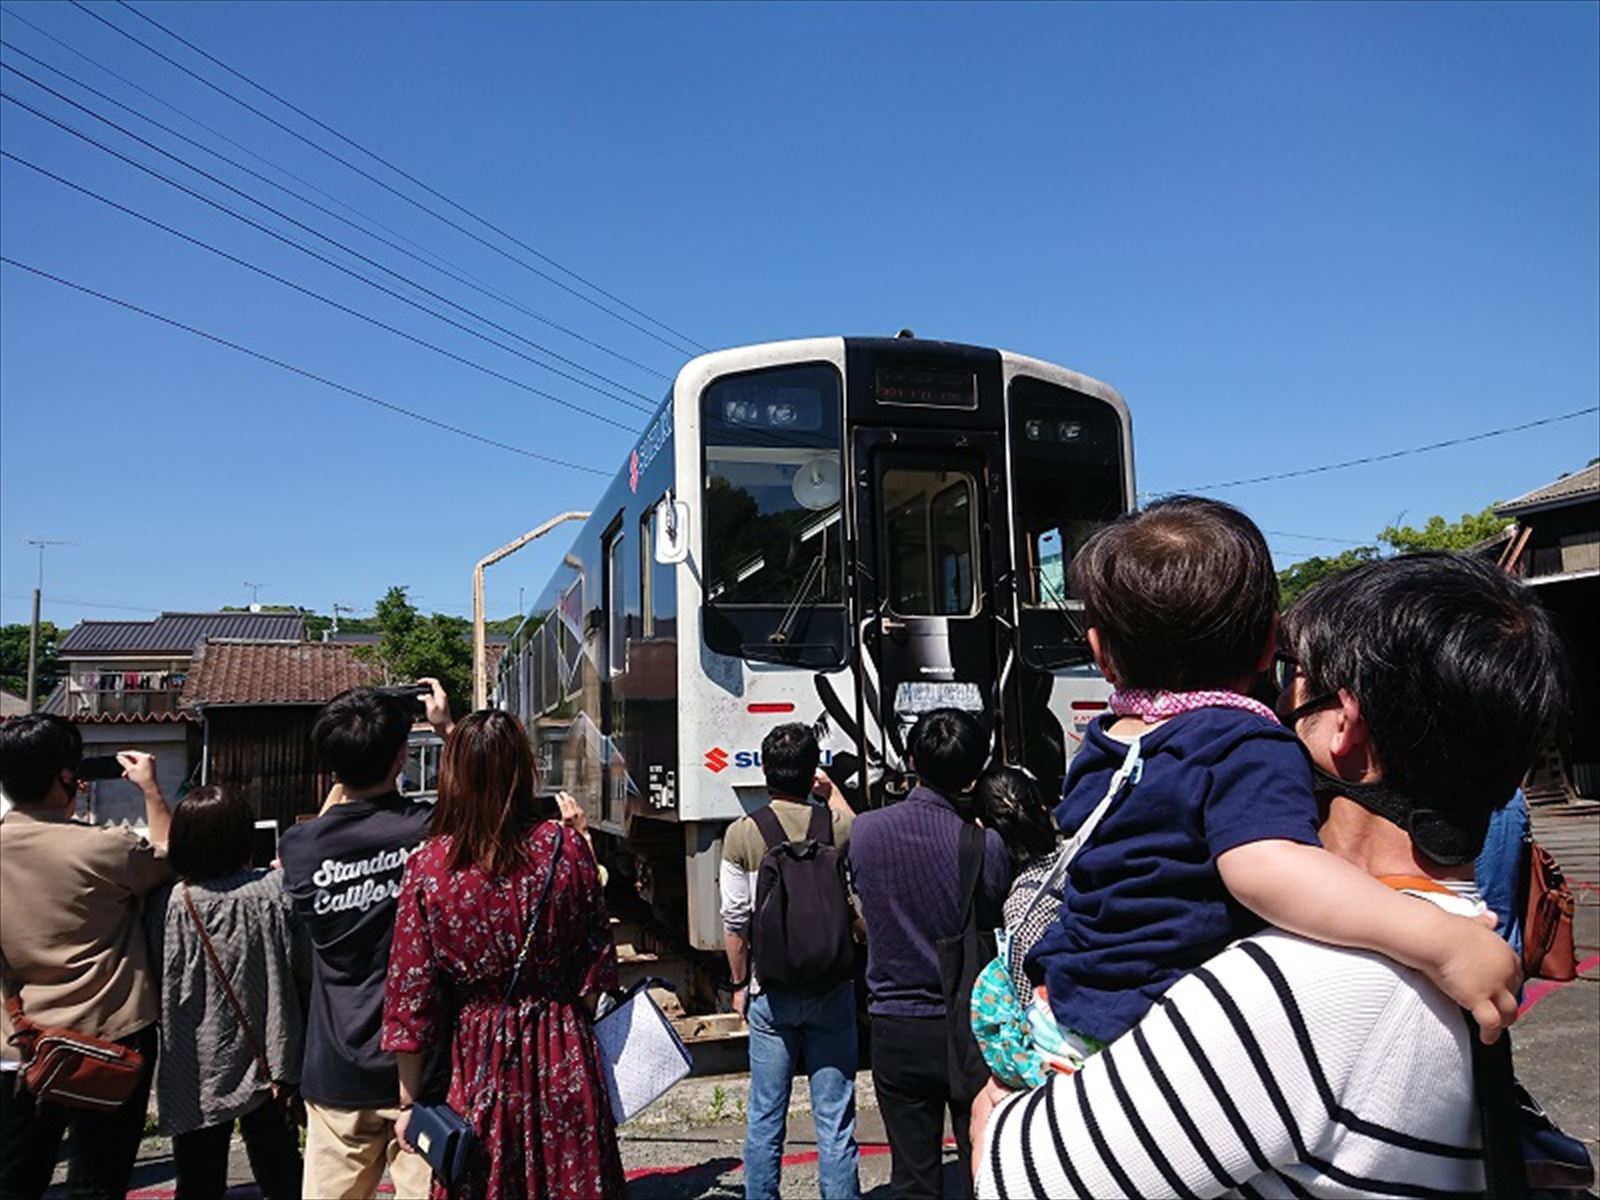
(800, 931)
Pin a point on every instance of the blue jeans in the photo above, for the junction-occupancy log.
(814, 1031)
(1499, 868)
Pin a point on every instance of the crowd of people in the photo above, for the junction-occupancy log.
(1232, 954)
(360, 975)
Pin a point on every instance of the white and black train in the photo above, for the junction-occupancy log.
(841, 531)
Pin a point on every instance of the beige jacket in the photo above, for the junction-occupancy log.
(70, 925)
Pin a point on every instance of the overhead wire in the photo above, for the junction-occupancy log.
(301, 371)
(1392, 454)
(80, 603)
(11, 12)
(358, 314)
(181, 161)
(369, 176)
(6, 154)
(376, 157)
(397, 242)
(1313, 537)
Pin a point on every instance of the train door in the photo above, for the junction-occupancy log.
(934, 542)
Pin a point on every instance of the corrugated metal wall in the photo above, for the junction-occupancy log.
(264, 754)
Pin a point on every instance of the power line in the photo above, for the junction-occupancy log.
(289, 283)
(644, 408)
(543, 257)
(1313, 537)
(398, 242)
(294, 133)
(1373, 458)
(301, 371)
(82, 603)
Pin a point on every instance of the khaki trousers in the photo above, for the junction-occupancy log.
(347, 1149)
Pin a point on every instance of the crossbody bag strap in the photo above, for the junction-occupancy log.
(971, 861)
(227, 986)
(522, 958)
(1505, 1171)
(1124, 778)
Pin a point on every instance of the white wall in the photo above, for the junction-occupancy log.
(117, 800)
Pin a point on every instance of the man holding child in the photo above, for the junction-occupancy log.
(1421, 688)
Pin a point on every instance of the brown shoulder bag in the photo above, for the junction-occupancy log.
(1547, 947)
(63, 1066)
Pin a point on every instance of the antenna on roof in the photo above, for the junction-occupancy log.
(333, 631)
(255, 595)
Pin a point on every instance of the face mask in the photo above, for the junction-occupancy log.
(1451, 839)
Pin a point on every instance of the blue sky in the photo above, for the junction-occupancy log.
(1289, 235)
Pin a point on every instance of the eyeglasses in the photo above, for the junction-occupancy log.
(1285, 669)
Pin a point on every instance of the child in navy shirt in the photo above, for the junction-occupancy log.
(1219, 833)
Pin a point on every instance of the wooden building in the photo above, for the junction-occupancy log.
(257, 701)
(1554, 546)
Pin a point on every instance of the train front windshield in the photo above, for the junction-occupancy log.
(774, 550)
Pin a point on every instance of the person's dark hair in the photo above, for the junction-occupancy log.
(211, 835)
(948, 749)
(358, 735)
(34, 750)
(1459, 672)
(1182, 594)
(487, 778)
(789, 758)
(1010, 804)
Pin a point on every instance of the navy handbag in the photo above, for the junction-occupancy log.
(441, 1135)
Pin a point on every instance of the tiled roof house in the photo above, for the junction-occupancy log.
(121, 682)
(257, 700)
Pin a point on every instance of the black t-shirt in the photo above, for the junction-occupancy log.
(342, 872)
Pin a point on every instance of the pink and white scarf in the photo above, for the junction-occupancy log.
(1158, 706)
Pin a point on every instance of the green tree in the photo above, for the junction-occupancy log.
(414, 646)
(14, 658)
(1439, 534)
(1295, 581)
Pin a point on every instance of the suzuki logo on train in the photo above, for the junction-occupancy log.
(719, 760)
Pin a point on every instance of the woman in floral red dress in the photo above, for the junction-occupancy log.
(541, 1111)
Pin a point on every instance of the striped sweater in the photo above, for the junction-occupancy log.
(1281, 1068)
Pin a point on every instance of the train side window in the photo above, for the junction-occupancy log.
(616, 606)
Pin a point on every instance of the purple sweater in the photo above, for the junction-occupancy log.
(906, 862)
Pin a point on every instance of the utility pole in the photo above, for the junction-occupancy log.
(337, 609)
(33, 633)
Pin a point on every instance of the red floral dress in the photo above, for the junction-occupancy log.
(542, 1112)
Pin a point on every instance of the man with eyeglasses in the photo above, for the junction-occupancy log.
(1421, 688)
